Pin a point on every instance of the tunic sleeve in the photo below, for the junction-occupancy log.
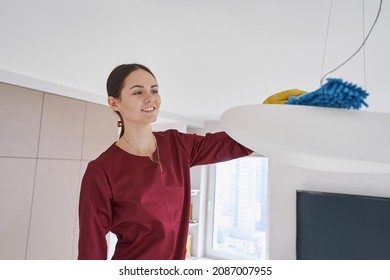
(215, 147)
(94, 214)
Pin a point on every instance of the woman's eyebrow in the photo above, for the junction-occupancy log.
(140, 86)
(137, 86)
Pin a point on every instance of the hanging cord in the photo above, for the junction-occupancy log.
(361, 46)
(326, 39)
(364, 48)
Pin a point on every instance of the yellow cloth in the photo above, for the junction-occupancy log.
(282, 97)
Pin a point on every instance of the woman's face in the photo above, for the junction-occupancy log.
(140, 99)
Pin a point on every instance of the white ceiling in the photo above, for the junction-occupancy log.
(208, 55)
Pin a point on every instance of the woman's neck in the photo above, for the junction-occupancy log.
(138, 140)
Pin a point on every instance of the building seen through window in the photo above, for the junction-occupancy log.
(240, 206)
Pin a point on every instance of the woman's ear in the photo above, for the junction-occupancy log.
(113, 103)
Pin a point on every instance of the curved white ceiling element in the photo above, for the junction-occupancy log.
(325, 139)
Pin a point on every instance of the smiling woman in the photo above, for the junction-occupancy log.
(139, 188)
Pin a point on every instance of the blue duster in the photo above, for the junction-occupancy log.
(335, 94)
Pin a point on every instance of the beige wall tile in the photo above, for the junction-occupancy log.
(54, 209)
(16, 190)
(62, 127)
(20, 117)
(100, 130)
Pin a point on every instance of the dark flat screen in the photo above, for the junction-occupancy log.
(334, 226)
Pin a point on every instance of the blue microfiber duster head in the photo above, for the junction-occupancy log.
(335, 94)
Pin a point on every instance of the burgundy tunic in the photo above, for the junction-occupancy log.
(145, 204)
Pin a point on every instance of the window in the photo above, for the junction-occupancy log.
(237, 209)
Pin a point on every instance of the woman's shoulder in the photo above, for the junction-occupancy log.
(106, 156)
(186, 137)
(168, 133)
(175, 136)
